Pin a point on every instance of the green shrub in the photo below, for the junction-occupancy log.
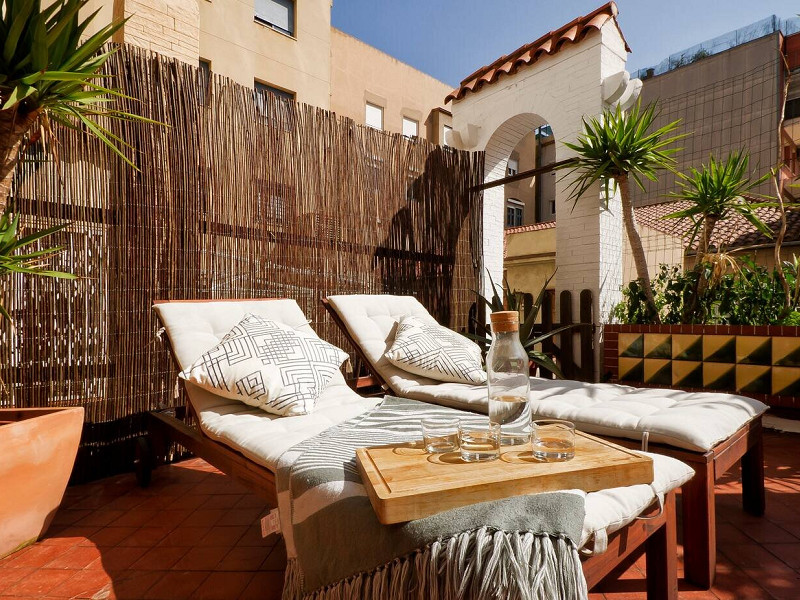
(752, 295)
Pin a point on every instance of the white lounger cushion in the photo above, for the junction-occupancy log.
(195, 327)
(694, 421)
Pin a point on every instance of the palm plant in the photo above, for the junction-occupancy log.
(716, 192)
(613, 149)
(528, 316)
(48, 73)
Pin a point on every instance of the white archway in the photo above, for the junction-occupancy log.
(559, 79)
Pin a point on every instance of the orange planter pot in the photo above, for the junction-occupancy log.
(37, 452)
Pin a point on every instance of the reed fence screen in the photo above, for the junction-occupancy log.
(236, 196)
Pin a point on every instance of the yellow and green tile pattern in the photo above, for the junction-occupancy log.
(735, 363)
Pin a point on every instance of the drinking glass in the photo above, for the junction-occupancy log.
(479, 441)
(440, 435)
(553, 440)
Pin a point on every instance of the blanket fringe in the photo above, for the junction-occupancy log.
(473, 565)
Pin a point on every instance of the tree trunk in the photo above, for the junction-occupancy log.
(705, 239)
(14, 124)
(637, 249)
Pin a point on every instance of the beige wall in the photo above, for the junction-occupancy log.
(659, 248)
(361, 74)
(244, 50)
(726, 102)
(530, 259)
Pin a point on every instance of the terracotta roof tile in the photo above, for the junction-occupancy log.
(528, 54)
(734, 232)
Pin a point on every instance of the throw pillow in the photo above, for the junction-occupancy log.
(425, 348)
(268, 365)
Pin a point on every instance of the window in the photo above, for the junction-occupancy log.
(553, 206)
(513, 167)
(792, 109)
(410, 127)
(261, 92)
(445, 130)
(278, 14)
(204, 83)
(514, 212)
(374, 116)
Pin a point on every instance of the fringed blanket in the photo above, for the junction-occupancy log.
(516, 548)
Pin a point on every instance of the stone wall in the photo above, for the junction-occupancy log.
(169, 27)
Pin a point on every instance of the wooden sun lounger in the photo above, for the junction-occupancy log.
(697, 504)
(653, 534)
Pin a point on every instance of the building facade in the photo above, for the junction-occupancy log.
(288, 48)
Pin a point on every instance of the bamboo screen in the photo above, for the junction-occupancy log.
(238, 196)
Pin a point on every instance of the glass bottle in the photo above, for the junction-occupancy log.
(508, 379)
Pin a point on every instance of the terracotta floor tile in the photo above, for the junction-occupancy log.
(205, 517)
(68, 536)
(145, 536)
(240, 516)
(159, 558)
(202, 558)
(39, 583)
(788, 553)
(118, 558)
(85, 583)
(224, 536)
(247, 558)
(76, 557)
(36, 556)
(276, 561)
(185, 536)
(12, 576)
(176, 585)
(133, 585)
(109, 536)
(223, 586)
(268, 586)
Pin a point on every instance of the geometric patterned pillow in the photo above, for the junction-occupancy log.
(425, 348)
(268, 365)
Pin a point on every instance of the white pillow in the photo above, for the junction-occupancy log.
(268, 365)
(425, 348)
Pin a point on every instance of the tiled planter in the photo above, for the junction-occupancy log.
(762, 362)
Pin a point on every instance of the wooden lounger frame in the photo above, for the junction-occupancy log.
(697, 506)
(654, 534)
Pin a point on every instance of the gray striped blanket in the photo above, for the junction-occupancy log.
(516, 548)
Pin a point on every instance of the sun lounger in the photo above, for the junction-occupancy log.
(247, 443)
(709, 431)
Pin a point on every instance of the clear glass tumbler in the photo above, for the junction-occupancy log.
(479, 441)
(553, 440)
(440, 435)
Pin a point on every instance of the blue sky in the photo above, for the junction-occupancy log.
(451, 38)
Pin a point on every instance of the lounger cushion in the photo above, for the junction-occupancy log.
(268, 365)
(423, 347)
(609, 510)
(694, 421)
(194, 327)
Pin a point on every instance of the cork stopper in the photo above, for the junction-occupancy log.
(505, 321)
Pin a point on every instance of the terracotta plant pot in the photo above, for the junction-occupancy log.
(37, 451)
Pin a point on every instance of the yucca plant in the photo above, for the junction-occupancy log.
(48, 73)
(15, 256)
(613, 149)
(716, 192)
(528, 316)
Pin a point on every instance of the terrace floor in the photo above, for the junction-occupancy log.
(194, 533)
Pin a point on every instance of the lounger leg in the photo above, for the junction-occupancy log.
(753, 498)
(662, 557)
(699, 526)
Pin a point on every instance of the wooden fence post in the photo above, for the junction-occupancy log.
(587, 336)
(567, 352)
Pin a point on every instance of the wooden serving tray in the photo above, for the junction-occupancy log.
(406, 483)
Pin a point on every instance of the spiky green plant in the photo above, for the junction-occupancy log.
(48, 73)
(528, 316)
(613, 149)
(716, 192)
(16, 257)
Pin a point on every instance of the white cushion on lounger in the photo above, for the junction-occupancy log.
(610, 510)
(695, 421)
(263, 437)
(195, 327)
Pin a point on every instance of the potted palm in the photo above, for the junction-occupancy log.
(49, 74)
